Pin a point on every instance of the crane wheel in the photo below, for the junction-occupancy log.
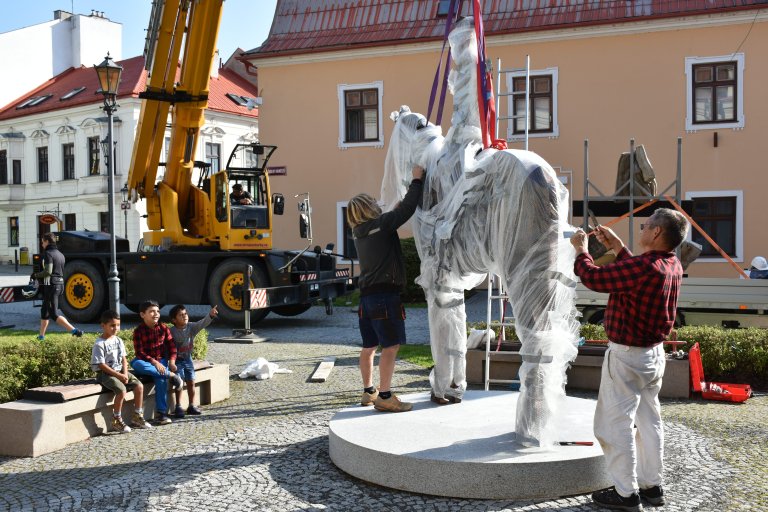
(225, 289)
(84, 292)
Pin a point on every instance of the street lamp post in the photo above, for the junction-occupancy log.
(124, 190)
(109, 80)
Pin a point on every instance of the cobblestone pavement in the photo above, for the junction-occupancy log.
(266, 448)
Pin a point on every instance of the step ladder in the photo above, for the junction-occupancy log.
(511, 95)
(498, 294)
(501, 296)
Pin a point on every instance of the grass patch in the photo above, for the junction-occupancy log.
(420, 355)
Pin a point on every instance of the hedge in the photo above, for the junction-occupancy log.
(27, 363)
(737, 356)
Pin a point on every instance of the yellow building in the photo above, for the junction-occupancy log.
(331, 72)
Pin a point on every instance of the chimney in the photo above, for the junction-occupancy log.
(61, 15)
(215, 65)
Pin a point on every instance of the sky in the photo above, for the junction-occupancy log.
(245, 23)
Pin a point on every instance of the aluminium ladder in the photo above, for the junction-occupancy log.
(501, 296)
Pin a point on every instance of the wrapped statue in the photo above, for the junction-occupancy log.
(485, 210)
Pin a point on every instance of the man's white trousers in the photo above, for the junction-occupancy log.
(628, 416)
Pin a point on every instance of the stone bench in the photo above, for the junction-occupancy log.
(49, 418)
(584, 372)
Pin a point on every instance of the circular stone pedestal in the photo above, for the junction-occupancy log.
(467, 450)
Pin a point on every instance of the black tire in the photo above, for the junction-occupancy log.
(291, 310)
(85, 294)
(225, 290)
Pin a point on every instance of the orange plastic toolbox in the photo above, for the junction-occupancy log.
(714, 390)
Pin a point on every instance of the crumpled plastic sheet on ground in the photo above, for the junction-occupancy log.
(261, 369)
(484, 211)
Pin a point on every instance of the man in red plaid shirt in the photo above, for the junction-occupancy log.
(640, 314)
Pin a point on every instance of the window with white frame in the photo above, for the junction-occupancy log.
(213, 156)
(93, 156)
(3, 167)
(720, 215)
(345, 243)
(17, 172)
(360, 119)
(714, 92)
(68, 160)
(542, 110)
(42, 164)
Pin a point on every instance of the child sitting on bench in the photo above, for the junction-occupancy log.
(111, 366)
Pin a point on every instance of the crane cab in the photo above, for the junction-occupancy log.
(244, 222)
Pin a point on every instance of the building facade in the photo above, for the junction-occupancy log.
(607, 72)
(67, 41)
(51, 159)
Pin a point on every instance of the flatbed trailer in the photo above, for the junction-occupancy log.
(725, 302)
(292, 280)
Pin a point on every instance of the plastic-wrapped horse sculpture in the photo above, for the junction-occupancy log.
(484, 211)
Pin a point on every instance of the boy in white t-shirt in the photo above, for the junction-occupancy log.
(109, 362)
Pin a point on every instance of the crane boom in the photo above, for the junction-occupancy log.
(193, 24)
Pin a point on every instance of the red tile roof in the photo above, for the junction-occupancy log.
(305, 26)
(132, 82)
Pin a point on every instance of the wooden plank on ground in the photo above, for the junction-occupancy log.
(323, 369)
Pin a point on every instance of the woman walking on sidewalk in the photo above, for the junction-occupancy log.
(52, 277)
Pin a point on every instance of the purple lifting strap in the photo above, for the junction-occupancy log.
(450, 18)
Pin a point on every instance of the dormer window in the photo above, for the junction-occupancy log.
(239, 100)
(72, 93)
(31, 102)
(442, 7)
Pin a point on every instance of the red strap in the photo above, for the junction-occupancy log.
(485, 100)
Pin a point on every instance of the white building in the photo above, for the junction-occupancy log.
(50, 152)
(34, 54)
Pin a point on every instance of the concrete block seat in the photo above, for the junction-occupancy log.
(49, 418)
(584, 372)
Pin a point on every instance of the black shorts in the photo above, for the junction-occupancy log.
(49, 309)
(382, 320)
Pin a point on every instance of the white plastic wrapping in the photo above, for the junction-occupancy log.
(261, 369)
(503, 212)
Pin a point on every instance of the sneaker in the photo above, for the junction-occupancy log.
(40, 337)
(162, 419)
(138, 421)
(611, 499)
(77, 332)
(178, 412)
(653, 495)
(119, 426)
(176, 382)
(391, 404)
(194, 411)
(369, 398)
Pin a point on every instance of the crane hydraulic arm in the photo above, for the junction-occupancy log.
(177, 212)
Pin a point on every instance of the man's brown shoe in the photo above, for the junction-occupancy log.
(438, 399)
(368, 398)
(391, 404)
